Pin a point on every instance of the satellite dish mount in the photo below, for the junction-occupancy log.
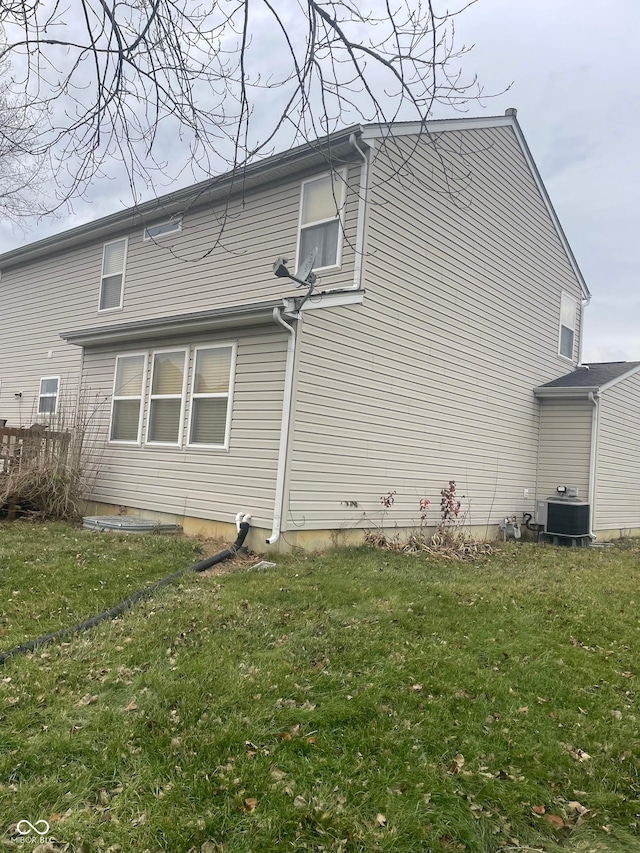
(304, 277)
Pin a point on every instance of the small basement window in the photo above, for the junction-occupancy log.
(48, 396)
(321, 206)
(112, 281)
(152, 232)
(568, 312)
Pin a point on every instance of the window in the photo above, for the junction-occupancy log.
(210, 398)
(155, 231)
(128, 388)
(112, 282)
(162, 400)
(568, 311)
(48, 397)
(166, 402)
(320, 224)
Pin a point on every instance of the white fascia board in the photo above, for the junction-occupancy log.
(383, 131)
(567, 391)
(615, 381)
(331, 299)
(550, 209)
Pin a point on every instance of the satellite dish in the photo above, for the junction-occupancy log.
(306, 266)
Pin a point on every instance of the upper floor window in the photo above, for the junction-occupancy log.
(321, 207)
(112, 282)
(152, 232)
(48, 396)
(568, 313)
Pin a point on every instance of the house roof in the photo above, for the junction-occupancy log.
(588, 377)
(335, 148)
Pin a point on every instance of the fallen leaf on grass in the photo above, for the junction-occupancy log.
(140, 820)
(523, 710)
(284, 735)
(554, 820)
(579, 754)
(250, 804)
(210, 847)
(538, 810)
(381, 820)
(88, 700)
(456, 765)
(278, 775)
(132, 706)
(575, 806)
(311, 739)
(299, 802)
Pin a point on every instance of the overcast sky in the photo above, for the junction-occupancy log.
(574, 70)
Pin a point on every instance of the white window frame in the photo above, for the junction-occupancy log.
(229, 395)
(48, 396)
(339, 176)
(138, 441)
(565, 295)
(151, 396)
(174, 225)
(124, 240)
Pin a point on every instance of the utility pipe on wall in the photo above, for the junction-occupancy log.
(593, 460)
(362, 210)
(278, 505)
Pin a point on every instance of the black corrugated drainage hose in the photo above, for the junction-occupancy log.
(203, 565)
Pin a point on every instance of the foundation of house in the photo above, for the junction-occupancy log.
(306, 540)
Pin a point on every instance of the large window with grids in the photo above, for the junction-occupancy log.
(321, 205)
(184, 394)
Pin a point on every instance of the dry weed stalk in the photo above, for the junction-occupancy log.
(49, 471)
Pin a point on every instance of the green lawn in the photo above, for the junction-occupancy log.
(357, 701)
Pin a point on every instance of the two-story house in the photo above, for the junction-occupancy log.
(447, 293)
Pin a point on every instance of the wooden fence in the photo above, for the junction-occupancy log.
(21, 446)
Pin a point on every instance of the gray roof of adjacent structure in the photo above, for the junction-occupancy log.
(594, 375)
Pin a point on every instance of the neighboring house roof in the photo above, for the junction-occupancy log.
(588, 377)
(334, 148)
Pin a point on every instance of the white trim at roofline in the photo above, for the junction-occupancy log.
(566, 391)
(411, 128)
(615, 381)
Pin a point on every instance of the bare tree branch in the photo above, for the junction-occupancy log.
(229, 79)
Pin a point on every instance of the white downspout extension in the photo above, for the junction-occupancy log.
(583, 304)
(593, 461)
(278, 505)
(362, 209)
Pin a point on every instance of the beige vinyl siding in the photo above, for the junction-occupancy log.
(221, 257)
(432, 378)
(206, 483)
(565, 446)
(618, 478)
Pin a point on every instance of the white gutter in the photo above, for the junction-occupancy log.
(362, 210)
(593, 460)
(278, 504)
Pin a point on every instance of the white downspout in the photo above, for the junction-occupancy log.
(362, 210)
(593, 461)
(278, 505)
